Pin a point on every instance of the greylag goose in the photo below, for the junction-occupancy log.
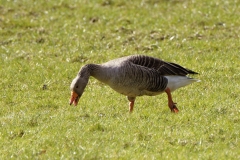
(133, 76)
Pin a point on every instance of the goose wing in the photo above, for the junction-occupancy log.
(164, 68)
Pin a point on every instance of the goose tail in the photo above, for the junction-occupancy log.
(175, 82)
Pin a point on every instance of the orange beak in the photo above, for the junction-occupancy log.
(74, 98)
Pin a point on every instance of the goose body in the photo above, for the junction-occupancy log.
(133, 76)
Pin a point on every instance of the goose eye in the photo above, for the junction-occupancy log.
(76, 86)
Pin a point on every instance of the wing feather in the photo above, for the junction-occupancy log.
(164, 68)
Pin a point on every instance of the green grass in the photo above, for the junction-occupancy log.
(44, 43)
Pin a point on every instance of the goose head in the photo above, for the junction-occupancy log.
(77, 88)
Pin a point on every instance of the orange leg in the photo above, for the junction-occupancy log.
(171, 104)
(131, 103)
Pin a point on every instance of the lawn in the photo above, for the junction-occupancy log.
(43, 44)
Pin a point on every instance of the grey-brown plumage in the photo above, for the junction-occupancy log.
(134, 76)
